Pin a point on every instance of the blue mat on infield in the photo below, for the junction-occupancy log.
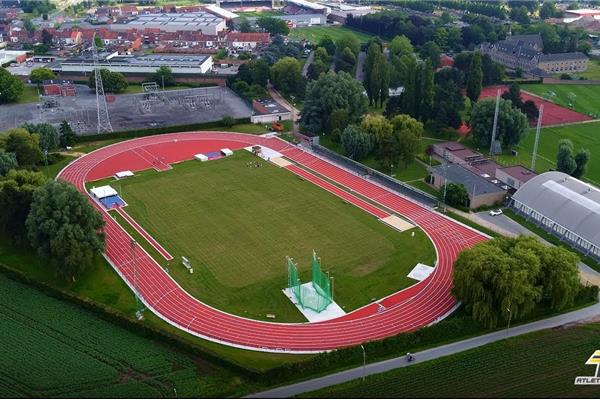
(214, 155)
(112, 201)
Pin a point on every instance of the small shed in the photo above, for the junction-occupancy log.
(226, 152)
(102, 192)
(200, 157)
(123, 174)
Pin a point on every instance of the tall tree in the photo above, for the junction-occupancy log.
(67, 136)
(25, 145)
(16, 192)
(272, 25)
(456, 195)
(548, 10)
(286, 75)
(448, 104)
(11, 87)
(475, 77)
(432, 52)
(407, 133)
(401, 46)
(378, 128)
(328, 93)
(348, 41)
(8, 161)
(328, 44)
(565, 160)
(581, 159)
(64, 228)
(512, 123)
(39, 75)
(49, 139)
(163, 76)
(260, 72)
(377, 75)
(345, 60)
(356, 142)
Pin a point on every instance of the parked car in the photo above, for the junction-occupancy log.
(493, 213)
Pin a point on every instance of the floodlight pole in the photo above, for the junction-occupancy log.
(509, 317)
(495, 126)
(364, 362)
(537, 137)
(138, 312)
(332, 288)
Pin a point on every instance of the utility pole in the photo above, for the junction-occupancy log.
(509, 317)
(495, 123)
(537, 137)
(138, 309)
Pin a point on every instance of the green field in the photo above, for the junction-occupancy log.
(593, 70)
(202, 209)
(54, 349)
(587, 97)
(582, 135)
(316, 33)
(30, 95)
(538, 365)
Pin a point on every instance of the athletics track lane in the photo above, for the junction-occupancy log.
(407, 310)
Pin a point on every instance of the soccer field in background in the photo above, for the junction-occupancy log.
(237, 222)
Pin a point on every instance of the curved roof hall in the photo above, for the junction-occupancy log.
(569, 202)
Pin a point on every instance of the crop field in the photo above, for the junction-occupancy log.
(586, 98)
(53, 349)
(237, 223)
(540, 365)
(316, 33)
(582, 135)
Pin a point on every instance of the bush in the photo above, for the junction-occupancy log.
(228, 121)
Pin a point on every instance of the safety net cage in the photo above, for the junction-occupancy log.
(317, 295)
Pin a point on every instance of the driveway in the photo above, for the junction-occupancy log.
(360, 64)
(309, 61)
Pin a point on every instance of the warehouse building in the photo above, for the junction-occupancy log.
(204, 22)
(564, 206)
(146, 64)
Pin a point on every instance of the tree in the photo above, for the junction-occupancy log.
(418, 95)
(514, 274)
(8, 161)
(401, 46)
(49, 139)
(431, 51)
(39, 75)
(316, 68)
(548, 10)
(11, 87)
(349, 41)
(520, 15)
(585, 48)
(530, 110)
(25, 145)
(565, 160)
(377, 75)
(286, 75)
(448, 104)
(64, 228)
(581, 159)
(378, 128)
(514, 95)
(67, 136)
(259, 70)
(345, 61)
(407, 133)
(337, 121)
(356, 142)
(328, 44)
(227, 121)
(328, 93)
(245, 25)
(512, 123)
(46, 38)
(163, 76)
(321, 54)
(16, 192)
(456, 195)
(475, 77)
(272, 25)
(113, 82)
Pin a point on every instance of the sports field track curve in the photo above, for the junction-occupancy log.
(407, 310)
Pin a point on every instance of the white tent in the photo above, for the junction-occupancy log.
(201, 157)
(103, 191)
(123, 174)
(226, 152)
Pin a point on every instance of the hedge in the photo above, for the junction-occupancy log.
(155, 131)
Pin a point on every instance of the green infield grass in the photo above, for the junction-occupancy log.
(538, 365)
(238, 223)
(316, 33)
(51, 348)
(586, 98)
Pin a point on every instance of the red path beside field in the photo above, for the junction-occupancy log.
(553, 113)
(407, 310)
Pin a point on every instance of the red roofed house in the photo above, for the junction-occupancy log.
(446, 61)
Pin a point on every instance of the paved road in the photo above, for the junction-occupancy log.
(586, 314)
(309, 60)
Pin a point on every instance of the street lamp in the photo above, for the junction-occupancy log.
(364, 362)
(509, 317)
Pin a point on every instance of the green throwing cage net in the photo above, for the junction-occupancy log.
(317, 296)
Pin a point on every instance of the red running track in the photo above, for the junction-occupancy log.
(407, 310)
(161, 250)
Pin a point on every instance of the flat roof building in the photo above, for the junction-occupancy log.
(268, 110)
(179, 64)
(205, 22)
(564, 206)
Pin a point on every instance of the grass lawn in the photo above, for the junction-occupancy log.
(272, 214)
(54, 349)
(53, 169)
(29, 95)
(582, 135)
(541, 364)
(587, 97)
(316, 33)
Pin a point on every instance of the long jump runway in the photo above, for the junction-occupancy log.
(404, 311)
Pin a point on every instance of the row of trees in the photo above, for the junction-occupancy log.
(569, 162)
(510, 277)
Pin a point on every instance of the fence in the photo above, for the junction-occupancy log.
(376, 176)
